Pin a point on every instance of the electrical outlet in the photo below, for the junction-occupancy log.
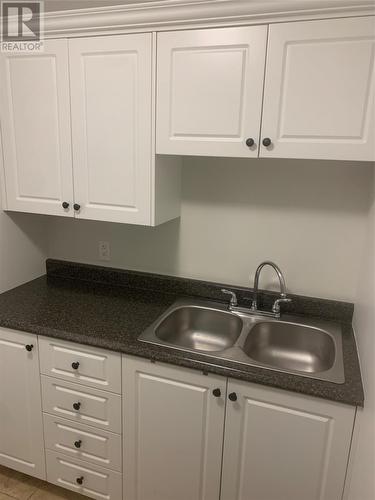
(104, 250)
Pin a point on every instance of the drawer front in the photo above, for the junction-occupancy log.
(83, 442)
(81, 364)
(82, 404)
(93, 481)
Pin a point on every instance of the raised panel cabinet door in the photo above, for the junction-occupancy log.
(173, 432)
(319, 90)
(21, 423)
(284, 446)
(111, 90)
(35, 126)
(209, 91)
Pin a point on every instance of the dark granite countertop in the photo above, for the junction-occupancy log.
(109, 308)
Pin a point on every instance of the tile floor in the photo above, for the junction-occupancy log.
(14, 485)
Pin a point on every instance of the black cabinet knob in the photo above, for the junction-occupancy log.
(233, 396)
(76, 207)
(77, 444)
(77, 406)
(75, 365)
(266, 142)
(79, 480)
(65, 204)
(29, 347)
(216, 393)
(250, 142)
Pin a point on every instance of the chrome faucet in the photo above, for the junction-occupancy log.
(233, 304)
(233, 297)
(283, 298)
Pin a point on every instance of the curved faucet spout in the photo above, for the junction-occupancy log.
(254, 305)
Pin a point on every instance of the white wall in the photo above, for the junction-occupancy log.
(23, 243)
(308, 216)
(362, 483)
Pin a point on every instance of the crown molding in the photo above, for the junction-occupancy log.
(161, 15)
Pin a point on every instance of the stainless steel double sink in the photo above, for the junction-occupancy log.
(309, 348)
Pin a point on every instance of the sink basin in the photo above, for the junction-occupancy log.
(305, 347)
(200, 328)
(290, 346)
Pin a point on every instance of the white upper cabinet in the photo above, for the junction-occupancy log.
(111, 92)
(318, 97)
(101, 114)
(108, 116)
(209, 91)
(319, 90)
(35, 123)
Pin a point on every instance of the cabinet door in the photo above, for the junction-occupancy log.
(173, 432)
(209, 91)
(284, 446)
(21, 427)
(35, 123)
(111, 119)
(319, 90)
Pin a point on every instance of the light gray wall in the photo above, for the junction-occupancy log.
(23, 244)
(362, 484)
(308, 216)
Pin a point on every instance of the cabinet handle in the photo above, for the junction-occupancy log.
(79, 480)
(77, 444)
(65, 204)
(29, 347)
(77, 406)
(266, 142)
(250, 142)
(76, 207)
(75, 365)
(216, 393)
(233, 396)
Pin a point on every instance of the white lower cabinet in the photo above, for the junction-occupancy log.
(173, 432)
(284, 446)
(83, 442)
(82, 404)
(89, 480)
(278, 445)
(82, 424)
(21, 428)
(81, 364)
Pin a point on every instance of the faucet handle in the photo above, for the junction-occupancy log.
(276, 304)
(233, 297)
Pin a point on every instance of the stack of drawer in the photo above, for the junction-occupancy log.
(81, 398)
